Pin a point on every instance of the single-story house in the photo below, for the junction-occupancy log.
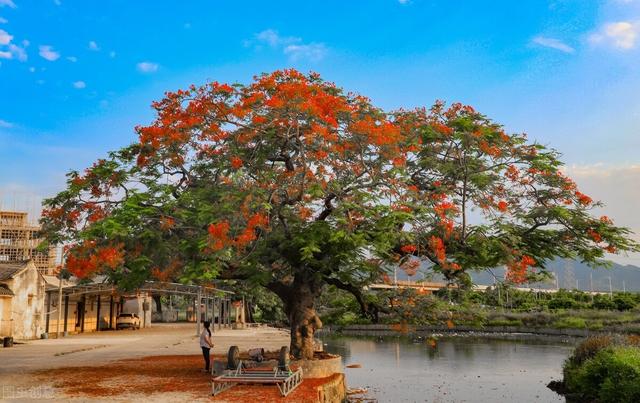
(22, 294)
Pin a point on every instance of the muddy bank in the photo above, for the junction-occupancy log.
(495, 332)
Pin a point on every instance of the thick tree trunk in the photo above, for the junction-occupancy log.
(304, 322)
(299, 303)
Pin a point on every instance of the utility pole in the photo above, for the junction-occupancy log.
(610, 288)
(197, 310)
(591, 285)
(624, 286)
(577, 287)
(59, 303)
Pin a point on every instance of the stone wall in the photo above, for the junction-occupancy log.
(334, 390)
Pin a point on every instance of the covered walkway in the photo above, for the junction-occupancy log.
(95, 306)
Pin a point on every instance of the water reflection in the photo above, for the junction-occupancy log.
(456, 370)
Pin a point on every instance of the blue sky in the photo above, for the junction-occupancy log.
(77, 76)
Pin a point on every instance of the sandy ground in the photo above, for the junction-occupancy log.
(54, 369)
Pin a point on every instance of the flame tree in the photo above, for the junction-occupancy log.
(291, 184)
(492, 199)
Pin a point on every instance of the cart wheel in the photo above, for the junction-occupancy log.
(283, 358)
(233, 358)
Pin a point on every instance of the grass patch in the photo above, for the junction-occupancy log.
(570, 323)
(504, 322)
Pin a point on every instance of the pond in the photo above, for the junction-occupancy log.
(458, 369)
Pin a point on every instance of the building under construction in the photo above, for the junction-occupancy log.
(19, 242)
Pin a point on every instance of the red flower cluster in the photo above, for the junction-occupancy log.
(583, 199)
(87, 259)
(517, 271)
(409, 248)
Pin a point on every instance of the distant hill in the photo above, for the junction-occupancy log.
(567, 273)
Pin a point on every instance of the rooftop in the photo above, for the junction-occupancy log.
(5, 291)
(10, 269)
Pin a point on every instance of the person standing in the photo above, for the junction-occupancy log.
(206, 344)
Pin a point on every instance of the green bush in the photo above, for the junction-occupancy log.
(624, 302)
(603, 301)
(588, 349)
(562, 302)
(612, 375)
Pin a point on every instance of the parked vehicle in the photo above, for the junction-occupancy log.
(128, 320)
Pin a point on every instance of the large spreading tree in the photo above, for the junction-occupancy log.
(291, 184)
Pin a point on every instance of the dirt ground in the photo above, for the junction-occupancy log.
(162, 363)
(161, 378)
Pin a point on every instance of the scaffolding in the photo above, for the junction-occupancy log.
(19, 242)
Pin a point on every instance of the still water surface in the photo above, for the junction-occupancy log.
(459, 369)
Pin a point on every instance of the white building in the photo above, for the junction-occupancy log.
(22, 293)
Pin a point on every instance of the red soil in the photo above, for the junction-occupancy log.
(169, 373)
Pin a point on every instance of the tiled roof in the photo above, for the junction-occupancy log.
(8, 270)
(4, 290)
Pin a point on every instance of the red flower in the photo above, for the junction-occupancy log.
(606, 220)
(503, 206)
(583, 199)
(437, 246)
(594, 235)
(236, 162)
(409, 248)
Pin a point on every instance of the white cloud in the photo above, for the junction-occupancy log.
(622, 35)
(553, 44)
(269, 36)
(5, 38)
(79, 85)
(8, 3)
(273, 39)
(93, 46)
(313, 52)
(147, 67)
(72, 59)
(18, 52)
(3, 20)
(14, 51)
(5, 125)
(48, 53)
(291, 46)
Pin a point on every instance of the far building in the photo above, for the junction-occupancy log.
(19, 242)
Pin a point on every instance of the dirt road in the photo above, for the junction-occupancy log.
(29, 371)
